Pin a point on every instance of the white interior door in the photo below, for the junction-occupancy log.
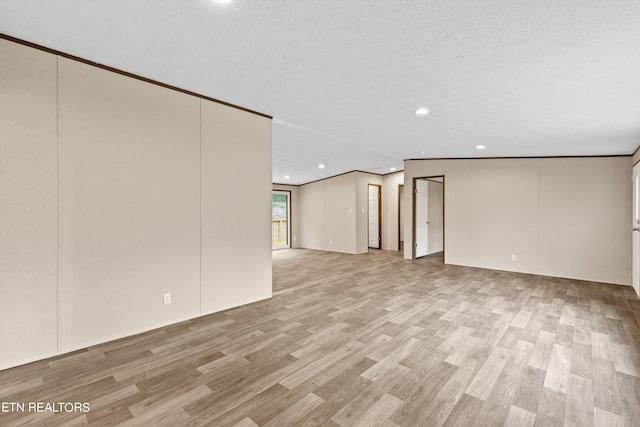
(422, 217)
(635, 225)
(374, 221)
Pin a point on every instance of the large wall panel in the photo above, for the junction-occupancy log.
(236, 207)
(457, 206)
(340, 213)
(311, 207)
(580, 219)
(130, 197)
(504, 214)
(28, 204)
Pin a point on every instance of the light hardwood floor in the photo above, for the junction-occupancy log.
(360, 340)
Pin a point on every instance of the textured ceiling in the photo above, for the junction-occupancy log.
(342, 78)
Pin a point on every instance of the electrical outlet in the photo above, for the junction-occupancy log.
(331, 242)
(514, 258)
(362, 210)
(167, 299)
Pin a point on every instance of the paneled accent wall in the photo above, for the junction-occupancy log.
(564, 217)
(114, 192)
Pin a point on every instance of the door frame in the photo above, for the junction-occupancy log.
(635, 226)
(289, 219)
(400, 239)
(379, 215)
(413, 212)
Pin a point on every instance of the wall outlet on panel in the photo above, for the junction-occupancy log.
(349, 210)
(294, 238)
(362, 210)
(514, 257)
(167, 299)
(330, 242)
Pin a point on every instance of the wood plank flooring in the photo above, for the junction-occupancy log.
(364, 340)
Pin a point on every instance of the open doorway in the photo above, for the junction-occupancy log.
(375, 214)
(280, 219)
(428, 216)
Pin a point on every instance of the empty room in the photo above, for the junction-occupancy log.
(333, 213)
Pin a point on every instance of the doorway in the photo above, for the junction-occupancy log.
(635, 226)
(280, 219)
(428, 216)
(375, 214)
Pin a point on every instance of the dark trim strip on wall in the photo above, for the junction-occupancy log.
(463, 158)
(335, 176)
(127, 74)
(634, 153)
(288, 185)
(389, 173)
(523, 157)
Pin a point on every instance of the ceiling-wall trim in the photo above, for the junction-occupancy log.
(127, 74)
(522, 157)
(286, 185)
(340, 174)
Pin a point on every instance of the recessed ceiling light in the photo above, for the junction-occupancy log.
(392, 169)
(320, 166)
(287, 177)
(422, 111)
(480, 147)
(223, 1)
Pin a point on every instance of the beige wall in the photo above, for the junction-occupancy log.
(340, 218)
(311, 219)
(390, 210)
(142, 207)
(28, 204)
(130, 206)
(333, 213)
(565, 217)
(236, 219)
(295, 223)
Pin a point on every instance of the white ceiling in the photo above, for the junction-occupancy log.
(342, 77)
